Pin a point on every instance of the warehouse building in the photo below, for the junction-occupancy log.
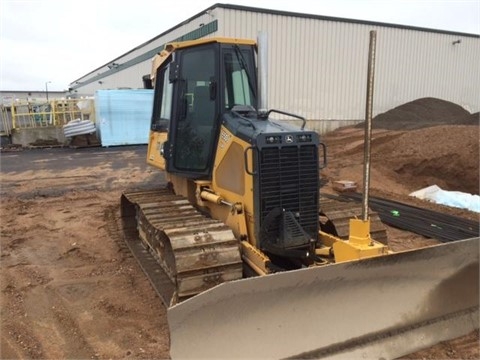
(318, 65)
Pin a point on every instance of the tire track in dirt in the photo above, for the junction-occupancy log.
(17, 338)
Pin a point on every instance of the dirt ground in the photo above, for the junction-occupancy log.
(70, 289)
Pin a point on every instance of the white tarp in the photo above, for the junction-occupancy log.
(450, 198)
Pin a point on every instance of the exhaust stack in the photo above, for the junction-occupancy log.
(262, 93)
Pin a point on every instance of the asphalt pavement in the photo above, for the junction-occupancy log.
(64, 158)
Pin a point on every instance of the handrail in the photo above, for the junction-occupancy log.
(20, 114)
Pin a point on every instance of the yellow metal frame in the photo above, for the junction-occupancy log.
(358, 246)
(6, 123)
(256, 259)
(57, 112)
(155, 144)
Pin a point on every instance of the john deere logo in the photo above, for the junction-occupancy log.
(289, 139)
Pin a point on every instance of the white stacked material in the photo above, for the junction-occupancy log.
(78, 127)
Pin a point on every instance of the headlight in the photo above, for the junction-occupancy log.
(303, 138)
(273, 139)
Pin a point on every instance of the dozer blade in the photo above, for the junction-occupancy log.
(379, 308)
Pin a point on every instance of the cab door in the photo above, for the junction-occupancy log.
(194, 126)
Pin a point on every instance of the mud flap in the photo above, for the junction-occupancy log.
(382, 307)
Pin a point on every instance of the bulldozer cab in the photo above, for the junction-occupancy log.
(194, 87)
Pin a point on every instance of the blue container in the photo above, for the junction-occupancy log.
(123, 116)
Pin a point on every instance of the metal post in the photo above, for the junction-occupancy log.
(368, 124)
(46, 88)
(262, 96)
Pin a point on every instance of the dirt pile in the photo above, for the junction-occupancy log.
(446, 155)
(424, 112)
(430, 145)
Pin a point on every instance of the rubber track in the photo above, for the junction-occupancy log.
(194, 251)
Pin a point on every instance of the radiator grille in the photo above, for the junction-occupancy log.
(289, 180)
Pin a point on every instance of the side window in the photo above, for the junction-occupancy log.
(162, 104)
(241, 93)
(166, 107)
(238, 86)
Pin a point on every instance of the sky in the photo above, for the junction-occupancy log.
(54, 42)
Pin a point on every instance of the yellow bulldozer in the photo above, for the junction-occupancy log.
(238, 248)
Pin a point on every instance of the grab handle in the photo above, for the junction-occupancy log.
(245, 156)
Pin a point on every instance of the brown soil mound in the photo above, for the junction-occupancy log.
(429, 147)
(424, 112)
(447, 156)
(405, 161)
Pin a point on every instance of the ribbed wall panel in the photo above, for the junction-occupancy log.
(318, 68)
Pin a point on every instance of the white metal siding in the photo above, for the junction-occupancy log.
(318, 68)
